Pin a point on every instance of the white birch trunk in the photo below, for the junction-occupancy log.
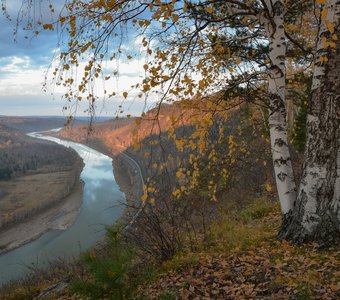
(285, 184)
(317, 213)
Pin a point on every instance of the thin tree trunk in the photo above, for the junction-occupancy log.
(277, 120)
(316, 216)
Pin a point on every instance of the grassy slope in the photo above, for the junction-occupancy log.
(242, 259)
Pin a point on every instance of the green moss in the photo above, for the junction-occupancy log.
(167, 295)
(257, 210)
(304, 292)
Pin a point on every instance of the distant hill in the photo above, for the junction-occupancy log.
(30, 124)
(122, 132)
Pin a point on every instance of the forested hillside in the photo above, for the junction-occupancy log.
(21, 154)
(34, 175)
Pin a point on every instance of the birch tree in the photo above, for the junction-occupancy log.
(316, 213)
(284, 177)
(195, 47)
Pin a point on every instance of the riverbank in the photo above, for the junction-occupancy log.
(113, 139)
(58, 217)
(127, 173)
(125, 170)
(44, 201)
(130, 181)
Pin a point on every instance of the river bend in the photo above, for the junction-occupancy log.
(103, 204)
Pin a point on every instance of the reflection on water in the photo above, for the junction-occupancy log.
(102, 206)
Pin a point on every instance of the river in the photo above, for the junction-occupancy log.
(103, 203)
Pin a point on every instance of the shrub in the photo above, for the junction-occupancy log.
(107, 274)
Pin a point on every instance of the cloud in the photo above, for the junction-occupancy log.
(19, 76)
(23, 65)
(21, 81)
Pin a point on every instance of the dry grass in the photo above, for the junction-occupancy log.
(28, 194)
(244, 260)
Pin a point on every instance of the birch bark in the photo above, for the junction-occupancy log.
(277, 120)
(316, 216)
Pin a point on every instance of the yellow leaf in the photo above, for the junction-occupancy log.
(146, 88)
(323, 59)
(176, 193)
(209, 9)
(201, 84)
(332, 44)
(135, 146)
(268, 187)
(62, 20)
(174, 18)
(145, 67)
(138, 121)
(48, 26)
(144, 197)
(324, 14)
(330, 26)
(238, 61)
(125, 94)
(185, 7)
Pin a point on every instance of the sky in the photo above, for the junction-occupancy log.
(22, 69)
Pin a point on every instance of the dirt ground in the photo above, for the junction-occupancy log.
(37, 203)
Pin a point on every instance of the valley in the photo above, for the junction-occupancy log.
(35, 175)
(53, 225)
